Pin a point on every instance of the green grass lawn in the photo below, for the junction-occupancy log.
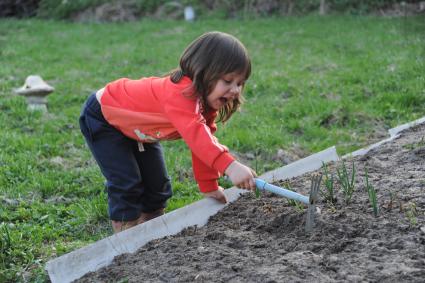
(316, 82)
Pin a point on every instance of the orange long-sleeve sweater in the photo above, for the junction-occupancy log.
(152, 109)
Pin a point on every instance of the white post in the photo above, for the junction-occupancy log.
(189, 14)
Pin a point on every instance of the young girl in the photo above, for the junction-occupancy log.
(124, 122)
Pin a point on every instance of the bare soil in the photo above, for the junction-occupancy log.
(263, 239)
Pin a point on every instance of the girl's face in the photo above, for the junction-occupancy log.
(227, 88)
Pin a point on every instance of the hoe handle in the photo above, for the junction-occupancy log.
(262, 185)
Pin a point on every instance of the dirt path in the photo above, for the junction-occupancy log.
(263, 240)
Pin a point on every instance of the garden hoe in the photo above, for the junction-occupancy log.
(310, 201)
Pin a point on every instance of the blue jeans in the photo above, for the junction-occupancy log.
(136, 181)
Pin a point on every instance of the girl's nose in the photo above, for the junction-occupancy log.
(236, 89)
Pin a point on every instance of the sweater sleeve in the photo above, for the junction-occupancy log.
(209, 158)
(207, 178)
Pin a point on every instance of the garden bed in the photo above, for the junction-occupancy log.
(263, 239)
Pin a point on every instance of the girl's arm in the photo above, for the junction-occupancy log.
(209, 158)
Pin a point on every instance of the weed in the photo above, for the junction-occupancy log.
(414, 145)
(372, 195)
(296, 204)
(257, 150)
(123, 280)
(329, 193)
(412, 213)
(5, 245)
(347, 180)
(299, 207)
(392, 201)
(257, 192)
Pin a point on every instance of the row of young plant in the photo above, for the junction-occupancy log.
(346, 179)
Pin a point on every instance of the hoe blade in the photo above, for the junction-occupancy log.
(314, 195)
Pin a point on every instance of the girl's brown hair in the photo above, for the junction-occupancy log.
(207, 59)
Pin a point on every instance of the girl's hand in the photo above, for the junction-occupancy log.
(218, 195)
(241, 175)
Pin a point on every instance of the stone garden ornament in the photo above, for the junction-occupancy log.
(35, 91)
